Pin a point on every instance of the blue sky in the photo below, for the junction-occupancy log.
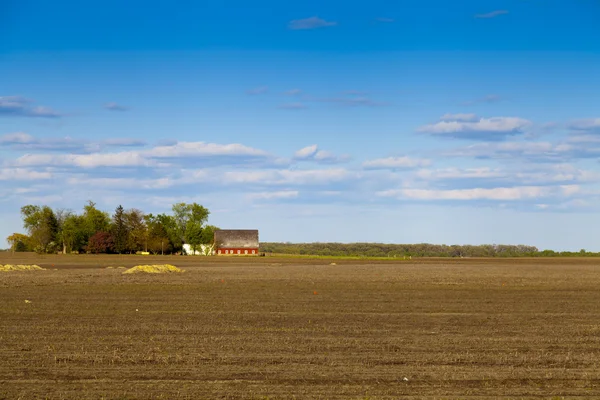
(392, 121)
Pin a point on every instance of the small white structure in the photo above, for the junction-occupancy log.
(201, 250)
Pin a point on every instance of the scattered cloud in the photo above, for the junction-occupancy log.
(485, 129)
(547, 174)
(591, 125)
(354, 101)
(279, 195)
(396, 163)
(124, 142)
(24, 141)
(528, 151)
(258, 90)
(313, 153)
(288, 177)
(16, 138)
(293, 106)
(203, 149)
(23, 174)
(293, 92)
(18, 106)
(115, 107)
(122, 159)
(459, 117)
(492, 14)
(495, 194)
(306, 152)
(310, 23)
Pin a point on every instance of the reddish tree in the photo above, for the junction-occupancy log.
(101, 242)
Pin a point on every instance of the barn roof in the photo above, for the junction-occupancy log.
(237, 238)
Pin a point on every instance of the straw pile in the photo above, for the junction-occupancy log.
(153, 269)
(8, 267)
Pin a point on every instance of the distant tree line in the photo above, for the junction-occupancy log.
(413, 250)
(123, 232)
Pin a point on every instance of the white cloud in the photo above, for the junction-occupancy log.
(310, 23)
(123, 142)
(589, 125)
(287, 177)
(396, 163)
(202, 149)
(539, 174)
(122, 159)
(122, 183)
(306, 152)
(504, 194)
(459, 117)
(488, 129)
(16, 138)
(18, 106)
(23, 174)
(457, 173)
(280, 195)
(312, 153)
(532, 151)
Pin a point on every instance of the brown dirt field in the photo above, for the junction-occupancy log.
(271, 328)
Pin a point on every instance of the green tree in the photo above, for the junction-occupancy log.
(94, 220)
(119, 230)
(136, 230)
(42, 225)
(73, 233)
(158, 235)
(208, 234)
(193, 234)
(193, 215)
(19, 242)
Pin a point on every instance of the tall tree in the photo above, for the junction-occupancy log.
(194, 215)
(208, 234)
(73, 233)
(158, 235)
(19, 242)
(193, 234)
(136, 230)
(42, 225)
(119, 230)
(94, 220)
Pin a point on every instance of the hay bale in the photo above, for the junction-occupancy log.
(8, 267)
(153, 269)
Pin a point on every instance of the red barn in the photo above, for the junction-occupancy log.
(236, 242)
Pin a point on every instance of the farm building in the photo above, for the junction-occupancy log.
(236, 242)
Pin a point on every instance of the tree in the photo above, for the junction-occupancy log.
(100, 242)
(73, 233)
(208, 234)
(94, 220)
(42, 225)
(136, 230)
(193, 234)
(119, 230)
(194, 215)
(158, 235)
(19, 243)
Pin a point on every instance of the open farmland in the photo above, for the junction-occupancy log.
(258, 328)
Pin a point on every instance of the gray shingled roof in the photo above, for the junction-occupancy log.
(236, 238)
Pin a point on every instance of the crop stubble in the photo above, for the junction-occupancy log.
(290, 328)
